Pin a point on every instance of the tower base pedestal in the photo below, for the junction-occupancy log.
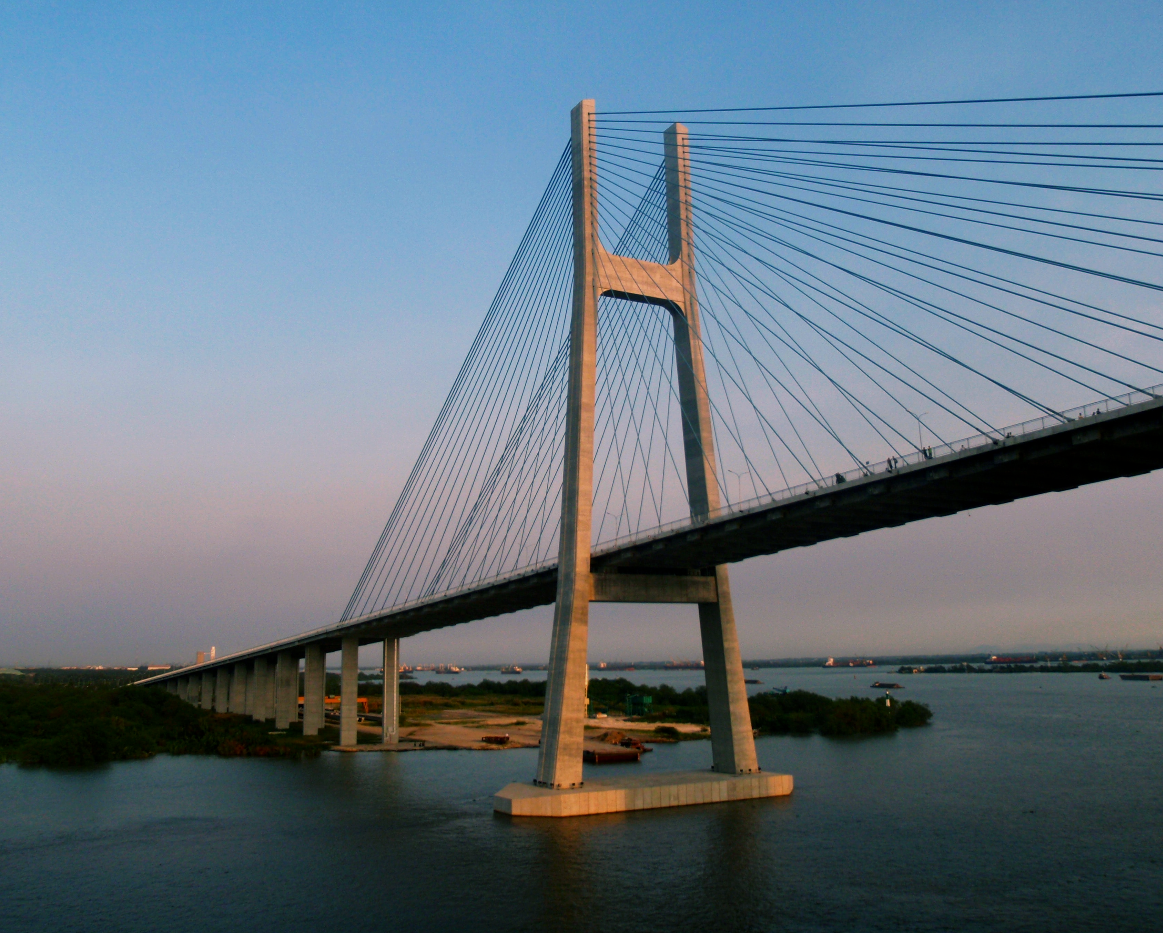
(639, 792)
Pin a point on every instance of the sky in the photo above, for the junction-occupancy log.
(245, 247)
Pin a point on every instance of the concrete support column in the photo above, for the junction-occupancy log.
(732, 741)
(391, 690)
(349, 693)
(314, 685)
(237, 702)
(286, 689)
(207, 690)
(559, 761)
(184, 688)
(222, 690)
(248, 706)
(262, 683)
(194, 690)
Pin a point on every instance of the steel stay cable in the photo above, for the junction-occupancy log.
(858, 404)
(946, 261)
(937, 312)
(451, 443)
(743, 155)
(850, 397)
(884, 169)
(499, 462)
(976, 299)
(647, 272)
(600, 115)
(497, 306)
(968, 297)
(720, 174)
(464, 367)
(897, 328)
(823, 424)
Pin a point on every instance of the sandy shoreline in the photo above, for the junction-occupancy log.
(465, 729)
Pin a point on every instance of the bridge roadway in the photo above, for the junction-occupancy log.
(1127, 441)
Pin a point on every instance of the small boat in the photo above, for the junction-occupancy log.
(884, 685)
(513, 669)
(1104, 676)
(752, 681)
(496, 739)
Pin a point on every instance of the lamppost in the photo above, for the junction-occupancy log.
(739, 483)
(920, 442)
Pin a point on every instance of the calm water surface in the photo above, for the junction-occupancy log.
(1032, 803)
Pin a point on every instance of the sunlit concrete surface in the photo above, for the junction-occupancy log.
(640, 792)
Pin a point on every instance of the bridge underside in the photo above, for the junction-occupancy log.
(1128, 442)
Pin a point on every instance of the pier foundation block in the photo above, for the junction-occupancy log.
(640, 792)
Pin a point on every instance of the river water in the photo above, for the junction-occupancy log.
(1033, 802)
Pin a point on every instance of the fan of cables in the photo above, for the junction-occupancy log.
(874, 282)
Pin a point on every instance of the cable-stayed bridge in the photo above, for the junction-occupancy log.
(756, 330)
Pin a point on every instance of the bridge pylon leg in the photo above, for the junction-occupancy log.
(559, 762)
(207, 690)
(732, 741)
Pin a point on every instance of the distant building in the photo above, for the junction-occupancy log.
(200, 657)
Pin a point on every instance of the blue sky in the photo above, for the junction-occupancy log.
(244, 247)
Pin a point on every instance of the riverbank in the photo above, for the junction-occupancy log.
(70, 725)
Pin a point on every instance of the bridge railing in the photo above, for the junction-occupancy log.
(926, 454)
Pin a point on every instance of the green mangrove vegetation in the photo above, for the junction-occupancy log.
(799, 712)
(67, 725)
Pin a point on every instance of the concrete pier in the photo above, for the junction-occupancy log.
(349, 693)
(286, 689)
(248, 706)
(237, 702)
(207, 690)
(222, 690)
(314, 685)
(184, 689)
(639, 792)
(264, 690)
(391, 713)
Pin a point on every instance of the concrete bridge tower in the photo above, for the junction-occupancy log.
(671, 288)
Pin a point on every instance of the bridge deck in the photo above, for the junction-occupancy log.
(1090, 449)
